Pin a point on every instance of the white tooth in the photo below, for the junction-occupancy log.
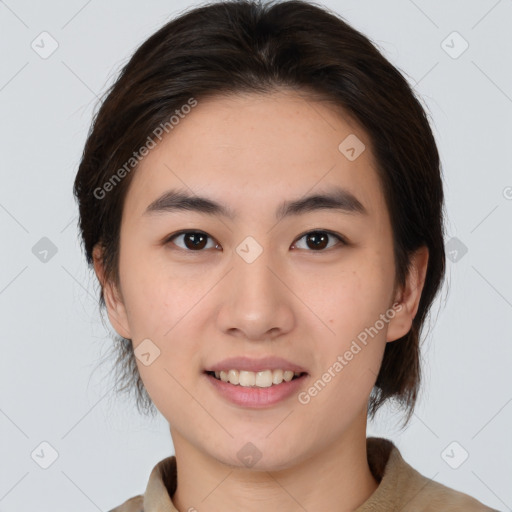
(264, 379)
(277, 376)
(234, 377)
(247, 379)
(288, 375)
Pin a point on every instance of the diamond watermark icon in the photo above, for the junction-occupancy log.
(44, 455)
(146, 352)
(44, 45)
(455, 249)
(44, 250)
(249, 455)
(249, 250)
(351, 147)
(454, 455)
(454, 45)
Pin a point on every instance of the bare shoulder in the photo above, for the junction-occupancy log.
(135, 504)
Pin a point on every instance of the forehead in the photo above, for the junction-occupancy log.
(252, 150)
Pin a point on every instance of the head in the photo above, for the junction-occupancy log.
(250, 106)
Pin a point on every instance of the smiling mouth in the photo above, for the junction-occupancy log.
(264, 379)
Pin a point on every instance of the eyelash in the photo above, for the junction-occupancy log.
(322, 231)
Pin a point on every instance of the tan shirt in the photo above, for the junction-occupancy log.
(401, 488)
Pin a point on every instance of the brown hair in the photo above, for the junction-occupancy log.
(244, 46)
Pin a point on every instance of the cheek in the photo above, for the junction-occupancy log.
(350, 300)
(350, 354)
(160, 304)
(350, 303)
(157, 295)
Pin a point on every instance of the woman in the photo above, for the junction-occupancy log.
(260, 196)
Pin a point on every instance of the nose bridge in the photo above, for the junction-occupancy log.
(256, 301)
(252, 263)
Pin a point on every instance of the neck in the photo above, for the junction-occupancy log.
(336, 478)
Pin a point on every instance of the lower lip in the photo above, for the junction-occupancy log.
(256, 397)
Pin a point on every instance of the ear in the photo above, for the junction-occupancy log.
(408, 297)
(113, 299)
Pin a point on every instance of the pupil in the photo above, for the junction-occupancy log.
(318, 234)
(197, 240)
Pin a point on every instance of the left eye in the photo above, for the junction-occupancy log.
(195, 241)
(319, 239)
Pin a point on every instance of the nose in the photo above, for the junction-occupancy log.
(256, 303)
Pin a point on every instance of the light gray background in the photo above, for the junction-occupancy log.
(52, 334)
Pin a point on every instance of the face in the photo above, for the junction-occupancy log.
(265, 280)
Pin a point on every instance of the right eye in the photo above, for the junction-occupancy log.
(193, 241)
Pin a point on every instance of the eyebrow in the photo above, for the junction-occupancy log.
(336, 198)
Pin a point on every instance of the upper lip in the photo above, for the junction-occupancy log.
(255, 365)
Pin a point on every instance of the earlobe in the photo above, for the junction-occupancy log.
(408, 297)
(113, 300)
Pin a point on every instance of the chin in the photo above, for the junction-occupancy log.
(257, 455)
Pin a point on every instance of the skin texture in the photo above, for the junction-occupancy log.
(251, 152)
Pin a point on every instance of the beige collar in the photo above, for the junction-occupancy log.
(400, 486)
